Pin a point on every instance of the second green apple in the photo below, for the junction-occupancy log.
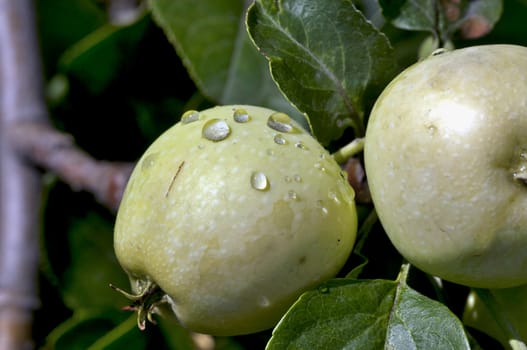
(446, 160)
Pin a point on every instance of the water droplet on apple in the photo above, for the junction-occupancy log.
(148, 161)
(292, 195)
(301, 145)
(216, 130)
(320, 167)
(279, 139)
(346, 192)
(333, 196)
(281, 122)
(240, 115)
(259, 181)
(189, 117)
(432, 129)
(263, 301)
(320, 204)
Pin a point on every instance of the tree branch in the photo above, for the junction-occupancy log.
(20, 187)
(26, 140)
(56, 152)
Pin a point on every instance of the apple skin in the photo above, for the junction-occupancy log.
(234, 224)
(445, 157)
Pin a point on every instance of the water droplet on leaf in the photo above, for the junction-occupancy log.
(323, 289)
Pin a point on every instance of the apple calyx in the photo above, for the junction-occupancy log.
(145, 302)
(520, 171)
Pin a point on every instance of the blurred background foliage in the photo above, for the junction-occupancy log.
(115, 88)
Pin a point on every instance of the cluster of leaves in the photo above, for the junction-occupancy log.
(328, 60)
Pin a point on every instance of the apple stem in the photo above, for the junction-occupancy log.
(403, 273)
(348, 151)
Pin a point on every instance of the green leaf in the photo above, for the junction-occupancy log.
(326, 57)
(211, 38)
(80, 17)
(93, 266)
(419, 15)
(474, 18)
(418, 322)
(341, 313)
(359, 262)
(367, 314)
(97, 58)
(125, 335)
(358, 259)
(96, 332)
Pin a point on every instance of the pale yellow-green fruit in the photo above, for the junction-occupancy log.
(233, 213)
(511, 303)
(446, 160)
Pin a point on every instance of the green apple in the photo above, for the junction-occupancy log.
(229, 216)
(446, 161)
